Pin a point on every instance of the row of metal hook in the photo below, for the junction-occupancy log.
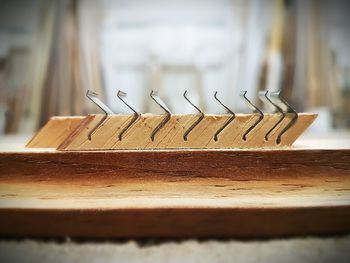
(272, 98)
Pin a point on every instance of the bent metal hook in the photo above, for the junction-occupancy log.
(263, 95)
(227, 122)
(122, 96)
(276, 96)
(160, 103)
(197, 121)
(255, 110)
(93, 97)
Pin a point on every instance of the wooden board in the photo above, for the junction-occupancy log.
(175, 193)
(171, 135)
(54, 132)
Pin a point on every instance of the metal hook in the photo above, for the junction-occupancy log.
(93, 97)
(255, 109)
(160, 103)
(227, 122)
(197, 121)
(263, 97)
(122, 95)
(276, 96)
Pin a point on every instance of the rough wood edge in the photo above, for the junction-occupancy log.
(178, 223)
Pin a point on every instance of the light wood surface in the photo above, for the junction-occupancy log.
(175, 193)
(54, 132)
(171, 135)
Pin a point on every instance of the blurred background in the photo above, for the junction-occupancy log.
(52, 52)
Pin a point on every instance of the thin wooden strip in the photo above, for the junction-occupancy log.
(171, 135)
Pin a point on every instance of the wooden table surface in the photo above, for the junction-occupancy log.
(177, 193)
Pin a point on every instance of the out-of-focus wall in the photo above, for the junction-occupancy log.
(52, 52)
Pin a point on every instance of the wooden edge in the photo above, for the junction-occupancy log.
(180, 223)
(54, 132)
(237, 164)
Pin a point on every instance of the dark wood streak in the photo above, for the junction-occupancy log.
(140, 223)
(236, 165)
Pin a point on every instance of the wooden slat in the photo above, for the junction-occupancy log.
(171, 135)
(54, 132)
(175, 193)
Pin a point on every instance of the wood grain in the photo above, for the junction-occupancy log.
(54, 132)
(171, 135)
(175, 193)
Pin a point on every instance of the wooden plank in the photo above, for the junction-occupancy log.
(54, 132)
(175, 222)
(171, 135)
(175, 193)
